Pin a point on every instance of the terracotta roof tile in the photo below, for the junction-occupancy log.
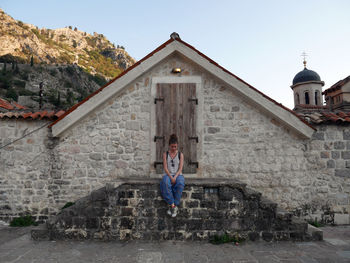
(327, 117)
(6, 105)
(18, 106)
(59, 113)
(39, 115)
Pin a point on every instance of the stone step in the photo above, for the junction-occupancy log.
(135, 210)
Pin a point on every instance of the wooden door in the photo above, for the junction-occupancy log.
(176, 113)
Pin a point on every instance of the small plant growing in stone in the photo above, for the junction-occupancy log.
(226, 238)
(68, 204)
(23, 221)
(315, 223)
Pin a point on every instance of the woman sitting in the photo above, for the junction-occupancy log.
(173, 182)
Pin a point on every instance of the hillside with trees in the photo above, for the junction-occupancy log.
(66, 64)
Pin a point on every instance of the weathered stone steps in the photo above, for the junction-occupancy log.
(135, 210)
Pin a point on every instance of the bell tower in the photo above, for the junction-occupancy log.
(307, 88)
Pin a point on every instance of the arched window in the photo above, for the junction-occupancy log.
(298, 99)
(316, 97)
(307, 100)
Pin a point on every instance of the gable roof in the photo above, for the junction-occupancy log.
(281, 113)
(337, 85)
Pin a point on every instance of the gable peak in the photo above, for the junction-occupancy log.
(175, 36)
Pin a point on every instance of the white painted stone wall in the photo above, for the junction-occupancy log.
(236, 140)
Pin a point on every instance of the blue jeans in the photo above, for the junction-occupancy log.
(172, 192)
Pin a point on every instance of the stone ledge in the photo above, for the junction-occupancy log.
(134, 209)
(188, 181)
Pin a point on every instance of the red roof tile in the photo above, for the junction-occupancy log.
(6, 105)
(15, 110)
(326, 117)
(18, 106)
(39, 115)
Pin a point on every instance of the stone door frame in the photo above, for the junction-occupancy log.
(197, 80)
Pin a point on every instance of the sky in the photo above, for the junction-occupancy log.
(261, 42)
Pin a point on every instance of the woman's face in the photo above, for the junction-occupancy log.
(173, 147)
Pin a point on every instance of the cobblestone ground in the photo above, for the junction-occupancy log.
(16, 246)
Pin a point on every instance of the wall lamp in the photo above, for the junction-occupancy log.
(176, 70)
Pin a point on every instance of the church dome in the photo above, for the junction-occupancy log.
(306, 75)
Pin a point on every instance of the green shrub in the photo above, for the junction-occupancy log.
(315, 223)
(66, 58)
(68, 84)
(23, 221)
(25, 92)
(53, 72)
(68, 204)
(226, 238)
(11, 94)
(70, 70)
(19, 83)
(8, 58)
(70, 98)
(5, 80)
(98, 79)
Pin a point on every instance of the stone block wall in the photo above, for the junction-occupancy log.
(39, 174)
(327, 157)
(25, 169)
(135, 210)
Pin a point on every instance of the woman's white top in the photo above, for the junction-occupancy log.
(173, 164)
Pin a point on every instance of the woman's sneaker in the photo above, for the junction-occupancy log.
(170, 211)
(174, 212)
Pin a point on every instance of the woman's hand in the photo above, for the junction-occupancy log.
(173, 180)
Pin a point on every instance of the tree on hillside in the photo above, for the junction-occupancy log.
(32, 61)
(16, 68)
(11, 94)
(58, 103)
(69, 98)
(70, 27)
(75, 29)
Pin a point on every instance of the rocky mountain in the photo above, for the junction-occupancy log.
(94, 53)
(68, 63)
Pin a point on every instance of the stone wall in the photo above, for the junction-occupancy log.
(25, 168)
(135, 210)
(236, 140)
(327, 184)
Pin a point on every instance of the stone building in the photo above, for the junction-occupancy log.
(227, 129)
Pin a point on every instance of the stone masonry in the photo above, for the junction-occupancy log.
(39, 174)
(135, 210)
